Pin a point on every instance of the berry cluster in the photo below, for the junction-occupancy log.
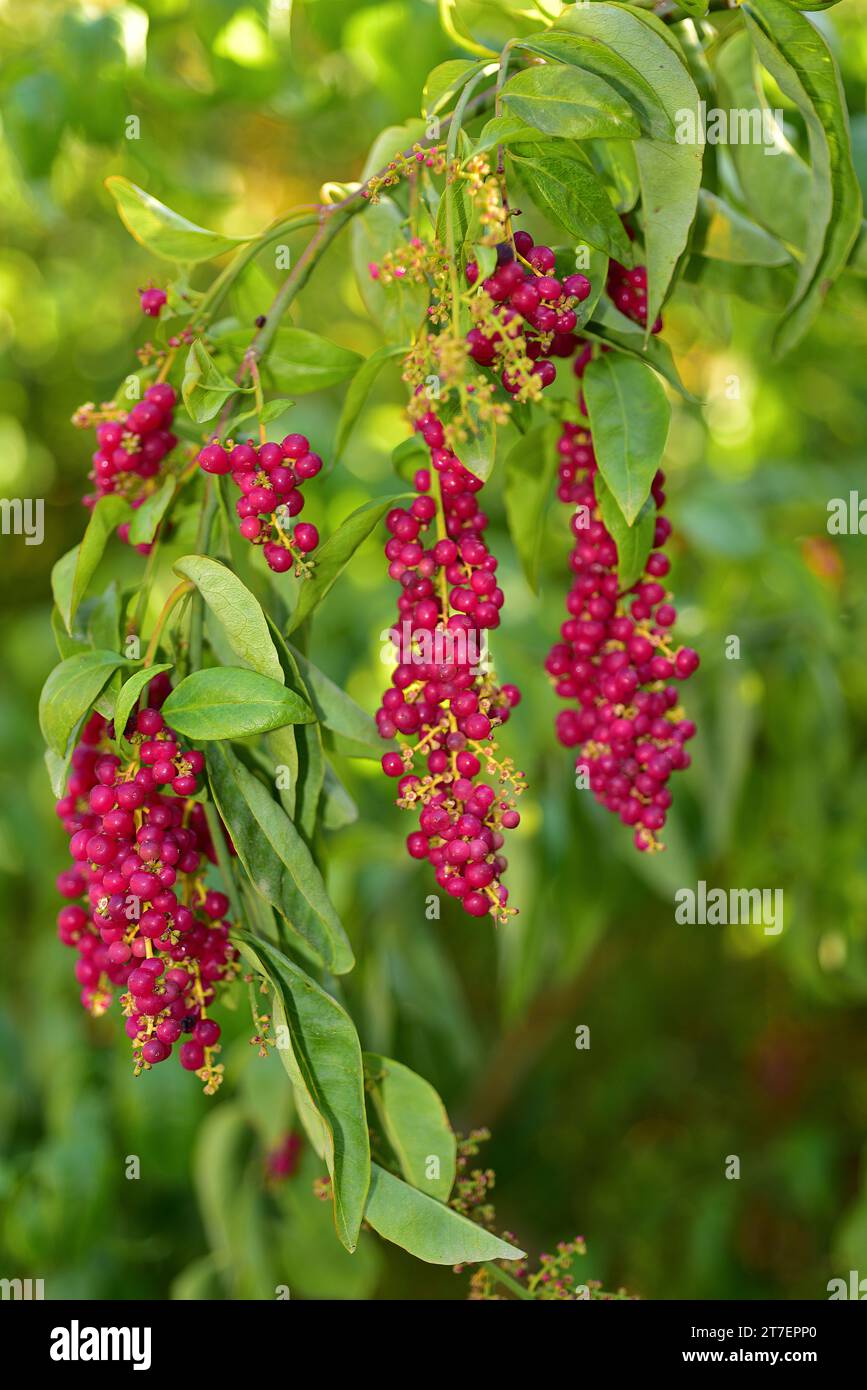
(529, 301)
(270, 478)
(130, 448)
(442, 695)
(627, 289)
(149, 927)
(616, 660)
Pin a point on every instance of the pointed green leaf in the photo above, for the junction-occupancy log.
(338, 807)
(629, 417)
(531, 467)
(415, 1124)
(69, 692)
(73, 572)
(634, 543)
(359, 390)
(205, 388)
(724, 234)
(277, 860)
(562, 101)
(588, 53)
(445, 81)
(337, 711)
(333, 557)
(800, 61)
(670, 173)
(163, 231)
(147, 517)
(300, 362)
(426, 1228)
(130, 692)
(569, 192)
(232, 702)
(319, 1047)
(774, 179)
(236, 609)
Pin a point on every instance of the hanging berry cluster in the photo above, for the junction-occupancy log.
(270, 478)
(525, 316)
(616, 660)
(130, 447)
(138, 913)
(443, 703)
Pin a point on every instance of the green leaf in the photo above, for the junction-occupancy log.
(301, 362)
(588, 53)
(304, 756)
(426, 1228)
(322, 1055)
(629, 417)
(670, 174)
(130, 691)
(232, 702)
(408, 456)
(775, 181)
(205, 388)
(800, 61)
(763, 286)
(162, 231)
(333, 557)
(337, 711)
(415, 1123)
(503, 130)
(338, 807)
(445, 81)
(359, 390)
(58, 770)
(69, 692)
(237, 610)
(148, 516)
(560, 100)
(276, 859)
(103, 618)
(634, 543)
(398, 308)
(655, 352)
(724, 234)
(531, 467)
(570, 193)
(271, 410)
(73, 572)
(478, 452)
(615, 163)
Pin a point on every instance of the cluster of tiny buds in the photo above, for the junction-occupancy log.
(441, 703)
(130, 447)
(430, 157)
(615, 661)
(531, 302)
(138, 912)
(270, 478)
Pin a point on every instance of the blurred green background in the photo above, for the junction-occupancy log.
(705, 1041)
